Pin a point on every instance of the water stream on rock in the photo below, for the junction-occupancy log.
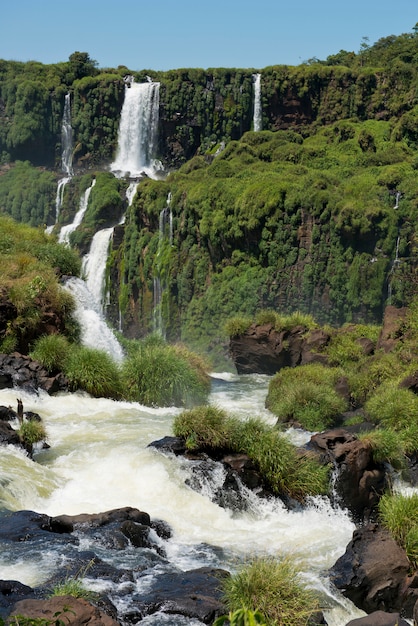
(258, 115)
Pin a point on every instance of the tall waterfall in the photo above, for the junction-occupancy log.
(138, 131)
(165, 236)
(64, 236)
(94, 265)
(258, 114)
(66, 155)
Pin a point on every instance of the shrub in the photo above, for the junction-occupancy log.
(364, 380)
(274, 588)
(393, 407)
(31, 432)
(387, 446)
(236, 326)
(306, 395)
(94, 371)
(203, 427)
(241, 617)
(185, 383)
(51, 351)
(345, 348)
(399, 514)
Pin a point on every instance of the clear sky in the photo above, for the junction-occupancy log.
(170, 34)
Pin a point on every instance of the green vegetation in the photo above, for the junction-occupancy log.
(32, 263)
(51, 351)
(273, 588)
(399, 514)
(306, 396)
(283, 470)
(23, 620)
(94, 371)
(31, 432)
(241, 617)
(152, 361)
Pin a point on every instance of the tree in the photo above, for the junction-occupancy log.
(82, 65)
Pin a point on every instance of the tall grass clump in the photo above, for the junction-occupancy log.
(345, 348)
(31, 432)
(284, 470)
(94, 371)
(387, 446)
(365, 378)
(203, 427)
(236, 326)
(306, 396)
(158, 374)
(274, 588)
(393, 407)
(51, 351)
(399, 514)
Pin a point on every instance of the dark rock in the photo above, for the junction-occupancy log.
(17, 370)
(393, 321)
(373, 571)
(7, 414)
(410, 382)
(70, 610)
(194, 594)
(138, 534)
(174, 445)
(67, 523)
(11, 592)
(379, 618)
(360, 481)
(8, 435)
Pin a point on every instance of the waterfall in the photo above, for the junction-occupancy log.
(138, 131)
(64, 236)
(395, 264)
(397, 198)
(165, 235)
(66, 156)
(258, 114)
(95, 333)
(94, 265)
(67, 138)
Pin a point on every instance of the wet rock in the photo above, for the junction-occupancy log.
(373, 572)
(11, 592)
(8, 435)
(379, 618)
(18, 370)
(194, 594)
(7, 414)
(360, 481)
(68, 523)
(140, 536)
(174, 445)
(71, 610)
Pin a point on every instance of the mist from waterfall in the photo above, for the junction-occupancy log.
(138, 131)
(258, 114)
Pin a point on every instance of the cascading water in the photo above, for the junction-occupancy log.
(99, 459)
(66, 156)
(64, 236)
(165, 236)
(138, 131)
(258, 114)
(95, 333)
(94, 265)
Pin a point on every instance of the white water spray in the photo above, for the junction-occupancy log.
(258, 114)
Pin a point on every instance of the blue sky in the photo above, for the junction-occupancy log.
(170, 34)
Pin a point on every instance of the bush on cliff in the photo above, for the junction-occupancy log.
(158, 374)
(275, 588)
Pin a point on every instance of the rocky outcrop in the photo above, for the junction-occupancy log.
(391, 332)
(374, 573)
(264, 350)
(379, 618)
(360, 481)
(18, 370)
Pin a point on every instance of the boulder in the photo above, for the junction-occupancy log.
(70, 610)
(18, 370)
(360, 481)
(373, 572)
(8, 435)
(194, 594)
(11, 591)
(393, 320)
(379, 618)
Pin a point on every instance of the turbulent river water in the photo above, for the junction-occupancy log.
(99, 460)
